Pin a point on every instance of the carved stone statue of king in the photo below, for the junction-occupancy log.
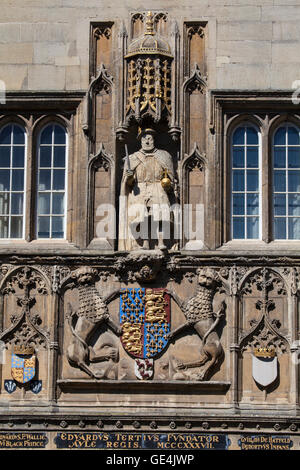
(147, 188)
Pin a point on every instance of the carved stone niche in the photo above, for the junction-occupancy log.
(101, 200)
(194, 46)
(99, 109)
(263, 335)
(26, 314)
(194, 199)
(100, 45)
(194, 103)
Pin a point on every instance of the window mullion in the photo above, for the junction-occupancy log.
(10, 181)
(265, 178)
(286, 185)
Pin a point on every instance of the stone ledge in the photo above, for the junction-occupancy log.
(156, 386)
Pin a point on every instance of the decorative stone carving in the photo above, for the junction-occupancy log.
(59, 274)
(264, 332)
(196, 81)
(101, 159)
(102, 31)
(195, 29)
(24, 330)
(92, 313)
(102, 83)
(142, 267)
(25, 279)
(4, 269)
(149, 74)
(264, 338)
(265, 280)
(147, 192)
(199, 314)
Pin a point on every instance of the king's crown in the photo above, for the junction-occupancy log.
(23, 349)
(264, 352)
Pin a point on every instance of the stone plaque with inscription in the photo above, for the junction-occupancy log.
(167, 441)
(265, 442)
(23, 440)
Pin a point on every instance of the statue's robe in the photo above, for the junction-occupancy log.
(146, 190)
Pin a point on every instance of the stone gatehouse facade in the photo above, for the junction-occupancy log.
(105, 108)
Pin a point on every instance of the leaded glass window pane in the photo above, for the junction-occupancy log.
(51, 184)
(12, 181)
(245, 188)
(286, 183)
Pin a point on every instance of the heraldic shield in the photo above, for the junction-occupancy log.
(264, 366)
(145, 319)
(23, 363)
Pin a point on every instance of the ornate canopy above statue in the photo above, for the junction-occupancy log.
(149, 75)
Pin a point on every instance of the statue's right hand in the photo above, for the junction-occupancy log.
(129, 173)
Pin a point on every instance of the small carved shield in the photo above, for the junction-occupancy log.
(23, 367)
(144, 368)
(145, 320)
(264, 370)
(10, 386)
(36, 386)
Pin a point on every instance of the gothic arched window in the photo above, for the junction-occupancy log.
(12, 180)
(245, 183)
(286, 183)
(51, 184)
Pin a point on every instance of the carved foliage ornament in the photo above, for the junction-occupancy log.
(25, 331)
(139, 267)
(264, 334)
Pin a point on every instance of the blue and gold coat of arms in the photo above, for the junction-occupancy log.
(145, 318)
(23, 364)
